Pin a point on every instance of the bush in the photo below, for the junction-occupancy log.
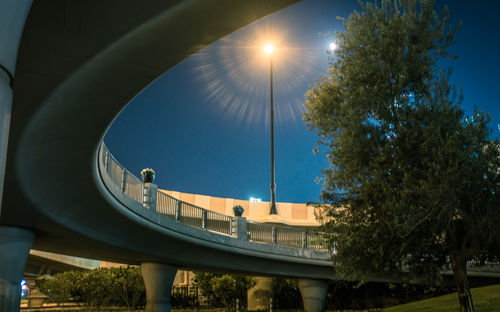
(99, 287)
(182, 298)
(221, 290)
(286, 293)
(62, 287)
(129, 286)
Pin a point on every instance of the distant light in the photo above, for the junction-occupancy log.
(268, 48)
(24, 289)
(255, 200)
(333, 46)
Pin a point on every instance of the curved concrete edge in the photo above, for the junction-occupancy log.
(12, 18)
(68, 261)
(183, 232)
(56, 145)
(53, 175)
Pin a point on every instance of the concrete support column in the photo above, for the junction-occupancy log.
(5, 109)
(259, 296)
(313, 293)
(13, 14)
(158, 279)
(15, 244)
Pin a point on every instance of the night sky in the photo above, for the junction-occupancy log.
(204, 125)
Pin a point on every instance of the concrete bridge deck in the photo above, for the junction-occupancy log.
(67, 69)
(78, 66)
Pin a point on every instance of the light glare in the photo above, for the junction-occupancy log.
(268, 48)
(333, 46)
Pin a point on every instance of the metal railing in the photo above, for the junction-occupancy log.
(261, 232)
(166, 205)
(317, 241)
(192, 215)
(290, 237)
(219, 223)
(129, 184)
(208, 220)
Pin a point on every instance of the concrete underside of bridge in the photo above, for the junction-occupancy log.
(79, 64)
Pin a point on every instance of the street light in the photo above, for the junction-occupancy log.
(269, 48)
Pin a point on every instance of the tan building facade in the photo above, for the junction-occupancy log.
(290, 214)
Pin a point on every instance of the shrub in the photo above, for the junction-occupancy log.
(99, 287)
(62, 286)
(286, 293)
(221, 290)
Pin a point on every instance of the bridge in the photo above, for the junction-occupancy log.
(66, 70)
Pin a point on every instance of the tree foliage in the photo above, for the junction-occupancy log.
(99, 287)
(413, 184)
(223, 289)
(62, 286)
(286, 293)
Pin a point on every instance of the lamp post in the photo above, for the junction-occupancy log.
(269, 50)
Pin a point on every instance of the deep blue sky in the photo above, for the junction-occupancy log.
(203, 126)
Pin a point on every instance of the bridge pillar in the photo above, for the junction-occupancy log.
(313, 293)
(158, 279)
(12, 17)
(15, 244)
(259, 296)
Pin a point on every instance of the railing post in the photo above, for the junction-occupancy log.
(178, 211)
(274, 235)
(204, 219)
(149, 196)
(240, 228)
(123, 185)
(304, 240)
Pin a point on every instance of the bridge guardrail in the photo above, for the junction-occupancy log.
(212, 221)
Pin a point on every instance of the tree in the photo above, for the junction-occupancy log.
(128, 285)
(62, 287)
(413, 186)
(223, 289)
(98, 287)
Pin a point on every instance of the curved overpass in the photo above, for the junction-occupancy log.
(79, 64)
(184, 225)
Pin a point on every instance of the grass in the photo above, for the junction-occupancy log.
(485, 299)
